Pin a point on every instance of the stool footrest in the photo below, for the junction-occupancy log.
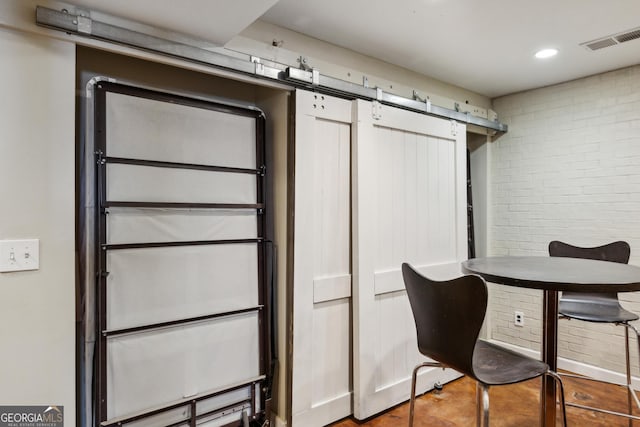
(630, 390)
(605, 411)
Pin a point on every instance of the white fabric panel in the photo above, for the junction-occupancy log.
(152, 184)
(129, 225)
(156, 367)
(153, 285)
(142, 128)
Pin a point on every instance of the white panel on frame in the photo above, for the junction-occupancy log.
(138, 374)
(135, 225)
(153, 184)
(321, 374)
(155, 285)
(141, 128)
(409, 205)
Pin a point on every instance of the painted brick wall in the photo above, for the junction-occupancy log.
(568, 169)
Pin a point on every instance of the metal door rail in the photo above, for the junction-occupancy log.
(295, 78)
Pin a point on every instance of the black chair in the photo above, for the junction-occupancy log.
(448, 317)
(598, 307)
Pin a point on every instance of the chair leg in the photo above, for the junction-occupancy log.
(558, 380)
(628, 364)
(631, 393)
(482, 405)
(414, 378)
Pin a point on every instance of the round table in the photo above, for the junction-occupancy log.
(553, 274)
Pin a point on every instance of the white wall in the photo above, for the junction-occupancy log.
(568, 169)
(37, 308)
(275, 105)
(479, 161)
(350, 66)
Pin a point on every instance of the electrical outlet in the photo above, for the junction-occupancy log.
(518, 318)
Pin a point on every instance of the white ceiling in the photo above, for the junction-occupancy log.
(213, 21)
(486, 46)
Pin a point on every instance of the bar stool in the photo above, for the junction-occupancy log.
(599, 307)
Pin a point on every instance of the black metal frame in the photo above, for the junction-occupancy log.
(102, 248)
(471, 239)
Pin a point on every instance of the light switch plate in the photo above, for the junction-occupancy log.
(19, 255)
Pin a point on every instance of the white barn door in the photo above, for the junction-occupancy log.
(409, 204)
(321, 379)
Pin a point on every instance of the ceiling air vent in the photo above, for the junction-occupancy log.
(629, 35)
(599, 44)
(612, 40)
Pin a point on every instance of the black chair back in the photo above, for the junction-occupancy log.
(448, 316)
(615, 252)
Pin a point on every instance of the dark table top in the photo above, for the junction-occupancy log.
(556, 273)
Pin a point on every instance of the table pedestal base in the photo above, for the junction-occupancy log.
(550, 357)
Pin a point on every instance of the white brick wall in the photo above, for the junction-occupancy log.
(568, 169)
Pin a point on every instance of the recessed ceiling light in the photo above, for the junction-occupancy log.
(546, 53)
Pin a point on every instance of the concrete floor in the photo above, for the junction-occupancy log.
(510, 406)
